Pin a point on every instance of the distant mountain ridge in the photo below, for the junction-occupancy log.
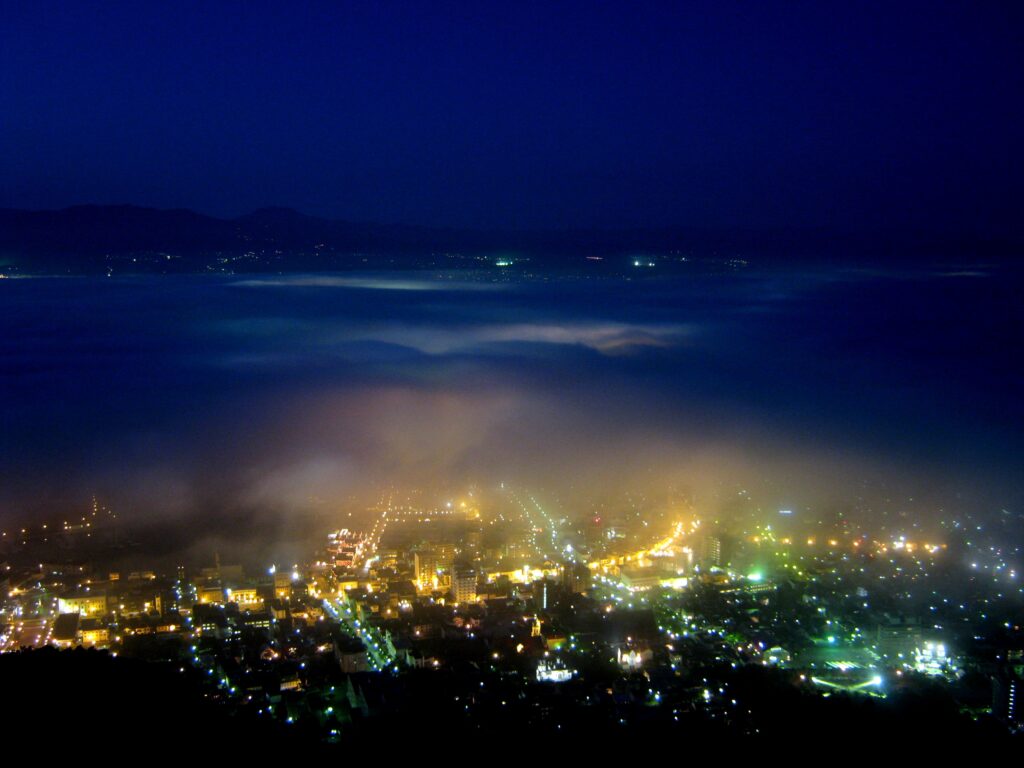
(87, 238)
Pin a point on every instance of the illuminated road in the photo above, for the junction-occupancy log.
(28, 633)
(378, 647)
(658, 549)
(539, 522)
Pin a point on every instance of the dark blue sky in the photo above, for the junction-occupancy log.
(846, 115)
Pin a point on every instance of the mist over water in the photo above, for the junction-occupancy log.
(241, 404)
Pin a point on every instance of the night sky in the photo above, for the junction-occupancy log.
(852, 116)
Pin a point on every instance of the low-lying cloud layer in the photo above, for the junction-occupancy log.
(209, 400)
